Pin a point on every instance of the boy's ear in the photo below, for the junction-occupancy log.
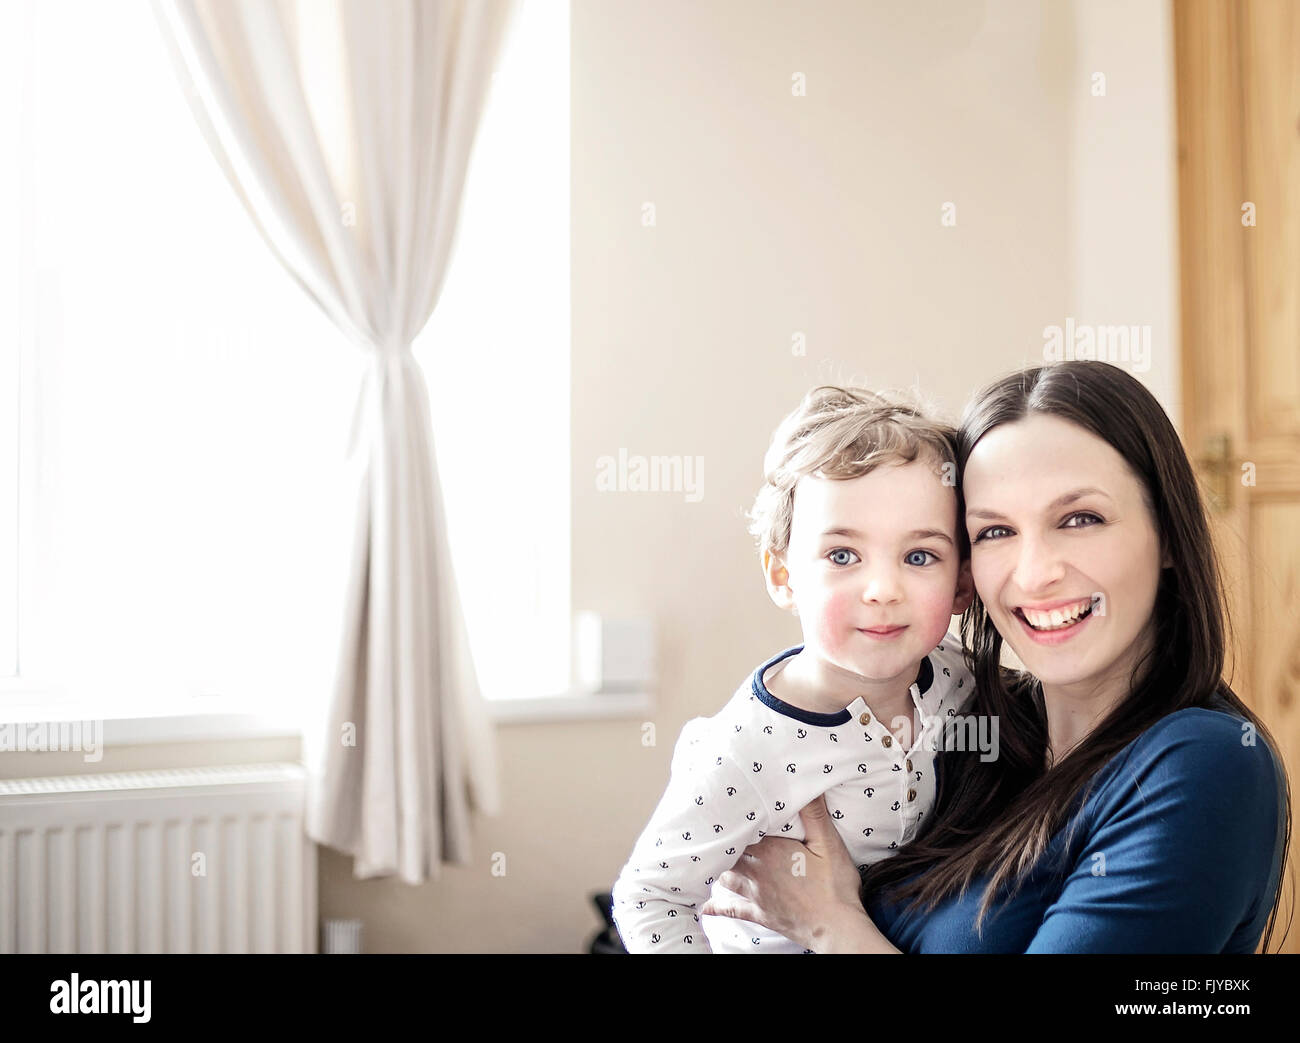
(965, 589)
(778, 580)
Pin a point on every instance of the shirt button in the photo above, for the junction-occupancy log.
(911, 794)
(909, 764)
(886, 742)
(865, 719)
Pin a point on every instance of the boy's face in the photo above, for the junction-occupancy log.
(878, 594)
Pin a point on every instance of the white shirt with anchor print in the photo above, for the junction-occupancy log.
(747, 771)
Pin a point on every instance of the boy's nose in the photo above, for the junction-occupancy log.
(881, 587)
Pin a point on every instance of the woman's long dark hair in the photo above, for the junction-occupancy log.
(997, 817)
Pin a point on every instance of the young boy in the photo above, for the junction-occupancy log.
(859, 537)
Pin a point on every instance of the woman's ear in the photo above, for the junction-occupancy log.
(965, 589)
(777, 577)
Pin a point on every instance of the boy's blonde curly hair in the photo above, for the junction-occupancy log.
(842, 433)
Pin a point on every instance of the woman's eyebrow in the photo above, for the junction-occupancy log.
(1063, 500)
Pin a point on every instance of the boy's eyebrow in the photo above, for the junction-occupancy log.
(1060, 501)
(915, 534)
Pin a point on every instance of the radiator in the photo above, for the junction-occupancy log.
(198, 860)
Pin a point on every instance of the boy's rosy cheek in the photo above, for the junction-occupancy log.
(940, 602)
(937, 611)
(836, 618)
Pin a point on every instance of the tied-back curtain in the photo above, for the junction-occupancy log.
(345, 127)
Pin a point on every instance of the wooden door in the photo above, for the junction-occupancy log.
(1238, 96)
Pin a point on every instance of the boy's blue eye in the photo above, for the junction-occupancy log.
(840, 550)
(922, 555)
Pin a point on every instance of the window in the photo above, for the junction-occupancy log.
(175, 409)
(497, 358)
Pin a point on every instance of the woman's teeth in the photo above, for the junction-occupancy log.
(1057, 618)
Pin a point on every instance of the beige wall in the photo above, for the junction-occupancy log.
(774, 214)
(1123, 180)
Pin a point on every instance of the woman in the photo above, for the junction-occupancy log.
(1135, 804)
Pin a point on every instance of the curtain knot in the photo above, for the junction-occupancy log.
(391, 349)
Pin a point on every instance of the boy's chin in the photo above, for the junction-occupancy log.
(880, 664)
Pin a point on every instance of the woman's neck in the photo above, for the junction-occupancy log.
(1072, 716)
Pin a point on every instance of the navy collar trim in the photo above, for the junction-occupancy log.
(924, 679)
(925, 676)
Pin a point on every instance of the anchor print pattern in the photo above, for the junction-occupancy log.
(745, 773)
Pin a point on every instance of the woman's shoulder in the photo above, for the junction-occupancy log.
(1197, 748)
(1200, 789)
(1199, 723)
(1212, 730)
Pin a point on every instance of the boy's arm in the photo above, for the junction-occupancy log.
(708, 815)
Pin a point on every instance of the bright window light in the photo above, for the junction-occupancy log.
(179, 542)
(497, 357)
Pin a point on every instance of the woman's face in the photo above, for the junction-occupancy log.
(1064, 551)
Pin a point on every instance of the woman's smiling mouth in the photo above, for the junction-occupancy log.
(1051, 624)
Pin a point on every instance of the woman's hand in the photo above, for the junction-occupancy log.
(806, 891)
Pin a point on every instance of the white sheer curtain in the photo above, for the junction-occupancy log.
(346, 129)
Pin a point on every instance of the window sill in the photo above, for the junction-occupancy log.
(131, 728)
(145, 727)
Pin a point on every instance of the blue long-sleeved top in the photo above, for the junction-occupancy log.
(1187, 820)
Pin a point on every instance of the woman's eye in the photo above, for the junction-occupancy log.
(923, 555)
(991, 533)
(841, 556)
(1095, 520)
